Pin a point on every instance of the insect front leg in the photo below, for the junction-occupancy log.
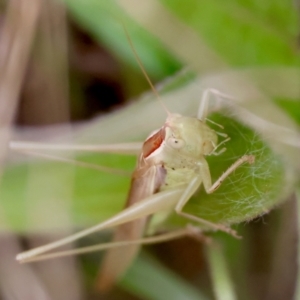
(205, 178)
(190, 190)
(205, 173)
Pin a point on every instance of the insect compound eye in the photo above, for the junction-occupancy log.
(176, 143)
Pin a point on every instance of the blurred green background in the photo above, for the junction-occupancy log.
(77, 66)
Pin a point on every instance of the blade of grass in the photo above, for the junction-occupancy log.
(103, 20)
(222, 284)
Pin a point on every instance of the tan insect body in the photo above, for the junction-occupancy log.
(186, 142)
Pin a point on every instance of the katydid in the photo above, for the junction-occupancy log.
(170, 168)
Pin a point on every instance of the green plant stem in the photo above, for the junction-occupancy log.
(221, 280)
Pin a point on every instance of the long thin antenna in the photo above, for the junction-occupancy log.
(143, 69)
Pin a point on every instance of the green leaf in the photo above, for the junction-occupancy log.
(291, 107)
(243, 33)
(104, 19)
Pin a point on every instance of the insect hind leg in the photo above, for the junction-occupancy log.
(189, 230)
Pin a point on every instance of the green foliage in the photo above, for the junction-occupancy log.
(252, 190)
(243, 34)
(103, 20)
